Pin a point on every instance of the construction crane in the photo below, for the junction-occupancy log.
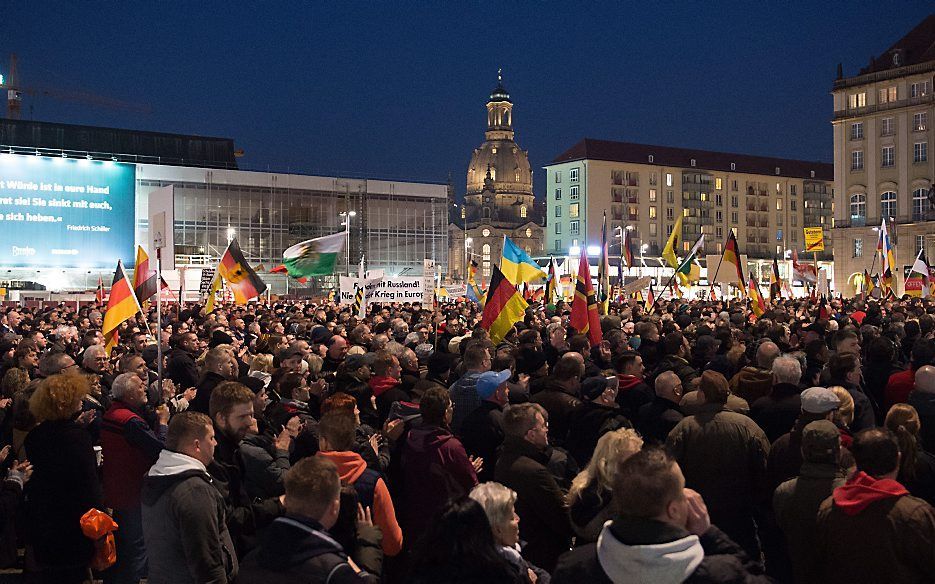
(15, 93)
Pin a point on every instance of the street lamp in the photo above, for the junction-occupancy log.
(347, 223)
(467, 243)
(231, 233)
(643, 249)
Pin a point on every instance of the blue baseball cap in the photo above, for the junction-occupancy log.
(488, 382)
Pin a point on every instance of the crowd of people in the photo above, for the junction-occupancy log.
(296, 442)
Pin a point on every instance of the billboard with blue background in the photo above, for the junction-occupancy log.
(65, 213)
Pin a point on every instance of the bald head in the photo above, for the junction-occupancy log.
(766, 353)
(925, 379)
(668, 386)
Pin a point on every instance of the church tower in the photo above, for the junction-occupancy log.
(499, 198)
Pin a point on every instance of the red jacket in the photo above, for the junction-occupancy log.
(898, 388)
(129, 447)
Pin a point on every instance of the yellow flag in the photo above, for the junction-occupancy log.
(668, 251)
(212, 291)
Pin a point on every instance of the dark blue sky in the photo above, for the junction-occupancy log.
(397, 89)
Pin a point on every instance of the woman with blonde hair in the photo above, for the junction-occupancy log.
(916, 466)
(261, 367)
(844, 416)
(64, 483)
(589, 498)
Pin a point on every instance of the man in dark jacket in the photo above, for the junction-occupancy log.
(181, 367)
(482, 432)
(723, 455)
(129, 447)
(298, 548)
(464, 396)
(778, 411)
(540, 503)
(596, 415)
(436, 377)
(796, 501)
(845, 370)
(755, 381)
(657, 418)
(220, 366)
(922, 399)
(559, 395)
(633, 392)
(661, 533)
(232, 413)
(184, 521)
(871, 529)
(676, 357)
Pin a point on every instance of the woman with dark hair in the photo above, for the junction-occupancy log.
(459, 548)
(916, 466)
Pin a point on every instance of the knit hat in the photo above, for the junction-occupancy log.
(819, 400)
(714, 385)
(821, 442)
(529, 361)
(219, 337)
(592, 387)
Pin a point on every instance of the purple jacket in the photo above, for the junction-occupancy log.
(435, 469)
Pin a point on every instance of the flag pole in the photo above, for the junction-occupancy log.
(159, 320)
(716, 271)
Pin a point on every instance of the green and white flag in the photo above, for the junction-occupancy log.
(315, 257)
(689, 271)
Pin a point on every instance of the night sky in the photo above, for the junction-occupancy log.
(397, 89)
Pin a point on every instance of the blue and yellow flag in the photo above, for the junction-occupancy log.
(516, 264)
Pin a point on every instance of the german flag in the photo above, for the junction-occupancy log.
(504, 307)
(775, 283)
(121, 307)
(650, 299)
(627, 248)
(144, 279)
(732, 256)
(584, 316)
(756, 299)
(241, 278)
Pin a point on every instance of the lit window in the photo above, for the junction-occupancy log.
(779, 204)
(857, 100)
(652, 212)
(528, 232)
(485, 258)
(522, 211)
(887, 94)
(573, 175)
(920, 89)
(668, 179)
(652, 195)
(463, 212)
(717, 184)
(486, 232)
(573, 210)
(858, 247)
(920, 121)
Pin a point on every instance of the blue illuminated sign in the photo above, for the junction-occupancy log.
(65, 213)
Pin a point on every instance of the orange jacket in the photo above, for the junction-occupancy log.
(350, 467)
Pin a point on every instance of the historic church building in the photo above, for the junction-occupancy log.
(499, 199)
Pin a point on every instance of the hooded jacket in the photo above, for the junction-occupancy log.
(872, 530)
(184, 524)
(435, 469)
(350, 467)
(298, 550)
(751, 383)
(646, 550)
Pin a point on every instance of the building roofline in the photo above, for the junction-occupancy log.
(613, 151)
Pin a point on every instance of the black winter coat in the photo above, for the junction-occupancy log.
(63, 487)
(298, 550)
(586, 424)
(181, 369)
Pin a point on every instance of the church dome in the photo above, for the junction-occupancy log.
(507, 162)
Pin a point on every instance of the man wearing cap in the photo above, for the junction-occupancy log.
(482, 431)
(871, 529)
(796, 501)
(597, 414)
(723, 456)
(785, 454)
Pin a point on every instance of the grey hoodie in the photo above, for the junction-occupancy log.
(662, 563)
(184, 524)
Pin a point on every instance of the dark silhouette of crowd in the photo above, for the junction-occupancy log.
(296, 442)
